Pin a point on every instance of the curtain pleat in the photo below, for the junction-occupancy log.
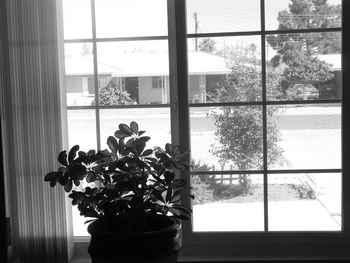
(34, 128)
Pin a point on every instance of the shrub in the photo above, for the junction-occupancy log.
(113, 94)
(202, 193)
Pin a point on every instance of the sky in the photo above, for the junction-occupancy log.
(125, 18)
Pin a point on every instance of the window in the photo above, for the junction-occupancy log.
(157, 83)
(260, 110)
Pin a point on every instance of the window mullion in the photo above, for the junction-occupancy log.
(178, 82)
(264, 111)
(94, 50)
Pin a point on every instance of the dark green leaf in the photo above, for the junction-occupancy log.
(113, 144)
(129, 143)
(176, 196)
(52, 176)
(147, 152)
(63, 180)
(139, 146)
(169, 148)
(169, 193)
(140, 133)
(134, 127)
(76, 182)
(119, 134)
(72, 153)
(89, 221)
(125, 129)
(178, 183)
(144, 138)
(62, 158)
(68, 186)
(169, 177)
(91, 177)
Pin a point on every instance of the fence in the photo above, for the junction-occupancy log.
(230, 179)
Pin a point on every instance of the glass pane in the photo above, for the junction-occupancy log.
(155, 121)
(304, 202)
(74, 27)
(210, 16)
(82, 129)
(304, 66)
(129, 18)
(224, 69)
(228, 203)
(79, 226)
(304, 137)
(227, 138)
(79, 69)
(287, 14)
(134, 72)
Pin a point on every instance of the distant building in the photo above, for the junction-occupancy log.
(145, 76)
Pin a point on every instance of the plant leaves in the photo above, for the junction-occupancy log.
(68, 186)
(62, 158)
(72, 153)
(139, 146)
(113, 144)
(169, 177)
(169, 148)
(52, 176)
(134, 127)
(125, 129)
(119, 134)
(147, 152)
(140, 133)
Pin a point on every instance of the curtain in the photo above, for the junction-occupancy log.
(34, 131)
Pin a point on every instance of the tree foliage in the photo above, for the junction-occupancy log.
(113, 94)
(239, 129)
(207, 45)
(299, 51)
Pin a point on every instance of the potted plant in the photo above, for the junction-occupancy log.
(132, 195)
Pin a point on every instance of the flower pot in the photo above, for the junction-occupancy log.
(161, 244)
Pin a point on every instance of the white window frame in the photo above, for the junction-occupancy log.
(237, 245)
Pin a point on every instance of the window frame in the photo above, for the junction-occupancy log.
(250, 245)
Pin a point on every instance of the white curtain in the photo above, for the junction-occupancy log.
(34, 131)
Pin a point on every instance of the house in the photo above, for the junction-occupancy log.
(144, 75)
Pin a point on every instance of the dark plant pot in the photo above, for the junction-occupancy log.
(155, 246)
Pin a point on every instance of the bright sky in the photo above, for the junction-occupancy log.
(116, 18)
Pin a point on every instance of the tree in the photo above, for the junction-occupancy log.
(113, 94)
(239, 129)
(207, 45)
(299, 52)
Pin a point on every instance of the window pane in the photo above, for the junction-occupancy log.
(155, 121)
(128, 18)
(228, 203)
(304, 202)
(304, 66)
(283, 14)
(304, 137)
(82, 129)
(80, 81)
(227, 138)
(208, 16)
(126, 72)
(77, 27)
(224, 69)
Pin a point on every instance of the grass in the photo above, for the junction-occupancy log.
(276, 192)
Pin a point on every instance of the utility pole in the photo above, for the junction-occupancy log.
(196, 26)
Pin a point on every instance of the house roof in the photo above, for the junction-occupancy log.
(145, 64)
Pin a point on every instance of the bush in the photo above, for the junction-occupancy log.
(202, 193)
(113, 94)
